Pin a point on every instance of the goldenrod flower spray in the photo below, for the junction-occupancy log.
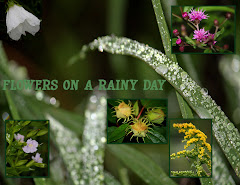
(199, 156)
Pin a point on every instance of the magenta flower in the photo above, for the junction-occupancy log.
(197, 15)
(179, 41)
(200, 35)
(31, 146)
(210, 37)
(19, 138)
(37, 158)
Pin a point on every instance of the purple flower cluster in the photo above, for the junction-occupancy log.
(197, 15)
(31, 147)
(204, 36)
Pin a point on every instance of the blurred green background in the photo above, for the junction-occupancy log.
(67, 25)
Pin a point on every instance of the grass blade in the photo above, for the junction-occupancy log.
(139, 163)
(69, 146)
(12, 106)
(224, 130)
(94, 138)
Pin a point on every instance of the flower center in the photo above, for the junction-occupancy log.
(30, 145)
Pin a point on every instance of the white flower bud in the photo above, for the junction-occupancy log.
(19, 21)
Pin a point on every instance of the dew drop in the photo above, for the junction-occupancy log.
(230, 126)
(39, 95)
(204, 91)
(161, 69)
(100, 48)
(184, 75)
(93, 99)
(103, 140)
(53, 101)
(182, 87)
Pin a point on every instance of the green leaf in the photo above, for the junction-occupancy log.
(154, 103)
(135, 109)
(11, 171)
(32, 133)
(187, 8)
(140, 164)
(110, 115)
(40, 165)
(174, 40)
(219, 33)
(156, 137)
(190, 41)
(217, 8)
(185, 109)
(208, 50)
(42, 132)
(9, 138)
(118, 133)
(196, 96)
(29, 164)
(21, 162)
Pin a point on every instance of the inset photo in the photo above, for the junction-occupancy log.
(27, 148)
(203, 29)
(137, 121)
(19, 19)
(190, 148)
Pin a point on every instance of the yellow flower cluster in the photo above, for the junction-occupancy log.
(192, 140)
(208, 146)
(194, 136)
(183, 125)
(181, 152)
(201, 152)
(173, 155)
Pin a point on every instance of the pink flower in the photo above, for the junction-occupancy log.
(210, 38)
(197, 15)
(19, 137)
(176, 32)
(185, 15)
(181, 48)
(37, 158)
(31, 146)
(200, 35)
(179, 41)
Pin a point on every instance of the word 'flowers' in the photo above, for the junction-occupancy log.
(19, 21)
(31, 146)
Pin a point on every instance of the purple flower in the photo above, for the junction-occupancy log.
(197, 15)
(31, 146)
(19, 137)
(210, 38)
(184, 14)
(37, 158)
(200, 35)
(179, 41)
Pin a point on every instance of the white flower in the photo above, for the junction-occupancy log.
(19, 21)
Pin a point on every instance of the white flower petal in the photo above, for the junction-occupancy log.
(19, 21)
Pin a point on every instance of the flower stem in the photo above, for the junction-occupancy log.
(140, 112)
